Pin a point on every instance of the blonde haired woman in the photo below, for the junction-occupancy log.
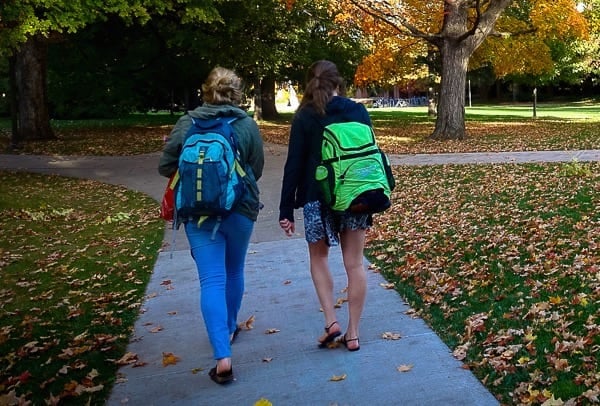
(220, 259)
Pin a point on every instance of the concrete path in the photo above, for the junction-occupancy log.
(284, 367)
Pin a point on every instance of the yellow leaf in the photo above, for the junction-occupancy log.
(263, 402)
(169, 359)
(555, 299)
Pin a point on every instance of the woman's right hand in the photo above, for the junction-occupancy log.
(288, 227)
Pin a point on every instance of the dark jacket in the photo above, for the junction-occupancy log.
(304, 151)
(249, 142)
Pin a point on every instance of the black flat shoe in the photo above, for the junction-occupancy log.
(221, 378)
(330, 336)
(234, 335)
(345, 341)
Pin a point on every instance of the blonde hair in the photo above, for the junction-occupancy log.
(222, 86)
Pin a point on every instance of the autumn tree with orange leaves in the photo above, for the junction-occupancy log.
(403, 31)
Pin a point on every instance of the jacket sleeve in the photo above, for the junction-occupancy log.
(256, 155)
(293, 170)
(169, 159)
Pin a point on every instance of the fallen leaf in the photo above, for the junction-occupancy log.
(337, 378)
(263, 402)
(389, 285)
(553, 402)
(248, 324)
(128, 358)
(272, 331)
(93, 389)
(169, 359)
(287, 282)
(156, 329)
(391, 336)
(268, 359)
(404, 368)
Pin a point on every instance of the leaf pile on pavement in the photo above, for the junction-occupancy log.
(75, 258)
(504, 262)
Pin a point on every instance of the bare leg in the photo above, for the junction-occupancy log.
(319, 271)
(353, 242)
(224, 365)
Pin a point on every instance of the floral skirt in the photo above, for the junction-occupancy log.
(320, 222)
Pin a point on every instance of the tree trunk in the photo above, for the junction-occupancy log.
(258, 115)
(267, 91)
(450, 122)
(455, 53)
(15, 138)
(30, 74)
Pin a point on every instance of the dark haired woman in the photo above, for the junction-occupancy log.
(323, 103)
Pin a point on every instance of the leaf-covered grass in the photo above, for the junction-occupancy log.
(503, 261)
(75, 258)
(489, 129)
(131, 135)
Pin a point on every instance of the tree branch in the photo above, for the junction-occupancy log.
(403, 27)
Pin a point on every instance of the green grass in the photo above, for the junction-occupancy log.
(502, 261)
(75, 257)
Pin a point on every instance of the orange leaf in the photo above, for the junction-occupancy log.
(169, 359)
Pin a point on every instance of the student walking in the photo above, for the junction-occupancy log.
(324, 103)
(220, 252)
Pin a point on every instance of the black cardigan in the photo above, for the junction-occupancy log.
(304, 151)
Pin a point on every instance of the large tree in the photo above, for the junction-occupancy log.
(26, 27)
(270, 41)
(454, 29)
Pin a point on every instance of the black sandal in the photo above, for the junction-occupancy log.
(345, 341)
(330, 336)
(221, 378)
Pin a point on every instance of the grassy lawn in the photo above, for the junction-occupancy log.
(75, 258)
(501, 260)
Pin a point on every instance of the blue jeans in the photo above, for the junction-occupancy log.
(220, 262)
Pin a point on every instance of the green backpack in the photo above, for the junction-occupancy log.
(354, 175)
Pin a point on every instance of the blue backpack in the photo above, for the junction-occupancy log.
(211, 179)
